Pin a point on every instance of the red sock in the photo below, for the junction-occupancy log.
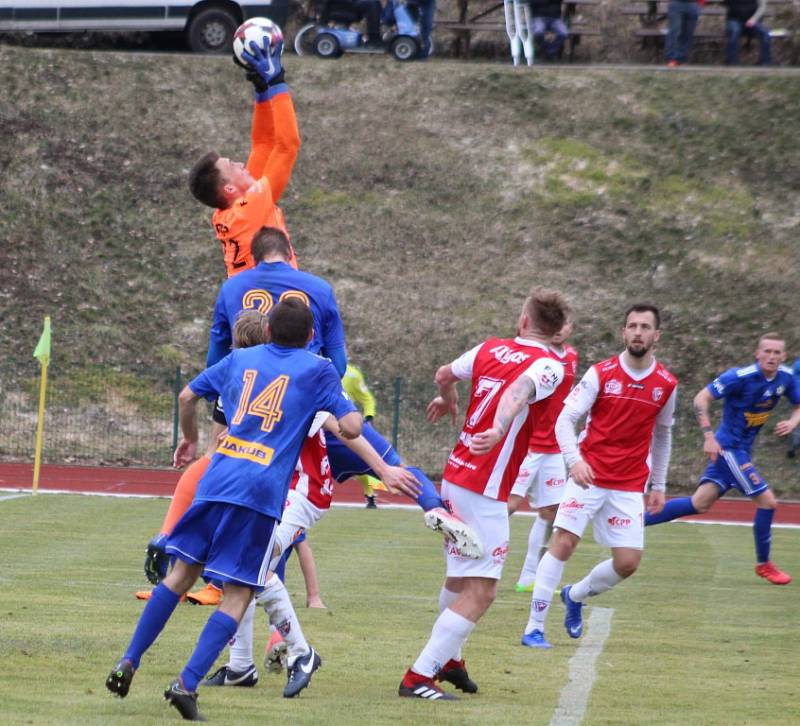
(411, 679)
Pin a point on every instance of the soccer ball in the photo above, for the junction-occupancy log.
(265, 33)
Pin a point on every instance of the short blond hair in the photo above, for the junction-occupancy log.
(249, 329)
(547, 310)
(771, 336)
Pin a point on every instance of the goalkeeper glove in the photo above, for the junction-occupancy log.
(264, 68)
(156, 561)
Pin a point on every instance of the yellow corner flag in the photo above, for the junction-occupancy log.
(42, 353)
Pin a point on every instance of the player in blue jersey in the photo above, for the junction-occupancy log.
(273, 279)
(273, 392)
(750, 394)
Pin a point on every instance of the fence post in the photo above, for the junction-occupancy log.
(398, 385)
(175, 417)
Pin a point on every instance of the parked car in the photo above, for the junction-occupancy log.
(208, 25)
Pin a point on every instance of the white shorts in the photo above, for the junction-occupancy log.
(298, 515)
(489, 518)
(541, 478)
(617, 517)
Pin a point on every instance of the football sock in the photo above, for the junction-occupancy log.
(450, 632)
(674, 508)
(366, 484)
(184, 493)
(537, 539)
(762, 531)
(154, 617)
(446, 599)
(603, 577)
(241, 652)
(219, 629)
(548, 575)
(428, 498)
(278, 606)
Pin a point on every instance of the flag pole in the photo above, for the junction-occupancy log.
(42, 353)
(37, 459)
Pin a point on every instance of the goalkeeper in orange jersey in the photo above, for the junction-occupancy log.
(245, 197)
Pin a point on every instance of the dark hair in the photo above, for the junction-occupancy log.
(547, 310)
(205, 181)
(269, 241)
(644, 308)
(249, 329)
(290, 322)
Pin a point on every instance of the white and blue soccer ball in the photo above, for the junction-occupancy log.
(264, 32)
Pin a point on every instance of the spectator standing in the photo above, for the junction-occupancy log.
(744, 18)
(682, 16)
(546, 16)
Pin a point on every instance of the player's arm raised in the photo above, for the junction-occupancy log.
(700, 406)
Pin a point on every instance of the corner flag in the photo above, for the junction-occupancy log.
(42, 352)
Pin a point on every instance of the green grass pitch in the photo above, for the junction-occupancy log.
(695, 637)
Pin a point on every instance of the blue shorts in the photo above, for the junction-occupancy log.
(346, 463)
(734, 470)
(233, 543)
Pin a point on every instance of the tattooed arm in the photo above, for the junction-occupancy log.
(513, 400)
(700, 405)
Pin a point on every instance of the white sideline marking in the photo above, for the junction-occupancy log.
(14, 496)
(575, 694)
(350, 505)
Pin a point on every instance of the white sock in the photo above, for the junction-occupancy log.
(241, 652)
(537, 540)
(548, 575)
(450, 632)
(276, 602)
(284, 536)
(603, 577)
(446, 599)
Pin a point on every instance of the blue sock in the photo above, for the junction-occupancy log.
(219, 629)
(674, 508)
(280, 570)
(762, 531)
(429, 498)
(154, 617)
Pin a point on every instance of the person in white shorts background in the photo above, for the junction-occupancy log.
(630, 402)
(543, 474)
(507, 376)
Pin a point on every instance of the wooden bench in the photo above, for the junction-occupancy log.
(653, 18)
(485, 21)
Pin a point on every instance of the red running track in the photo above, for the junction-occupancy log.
(129, 481)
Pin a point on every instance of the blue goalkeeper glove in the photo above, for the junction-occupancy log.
(156, 561)
(265, 67)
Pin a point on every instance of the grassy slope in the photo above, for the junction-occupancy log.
(696, 637)
(432, 195)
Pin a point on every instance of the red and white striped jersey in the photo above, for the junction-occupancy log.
(493, 366)
(624, 407)
(543, 438)
(312, 475)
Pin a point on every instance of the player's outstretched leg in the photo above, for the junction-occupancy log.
(673, 509)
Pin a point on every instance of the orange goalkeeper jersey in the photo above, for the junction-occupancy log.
(275, 143)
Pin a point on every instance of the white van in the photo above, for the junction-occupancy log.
(209, 25)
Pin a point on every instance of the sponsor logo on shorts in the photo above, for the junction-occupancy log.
(554, 482)
(570, 505)
(619, 522)
(613, 387)
(658, 393)
(500, 553)
(506, 355)
(540, 605)
(453, 551)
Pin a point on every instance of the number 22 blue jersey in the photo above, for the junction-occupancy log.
(264, 286)
(749, 400)
(271, 394)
